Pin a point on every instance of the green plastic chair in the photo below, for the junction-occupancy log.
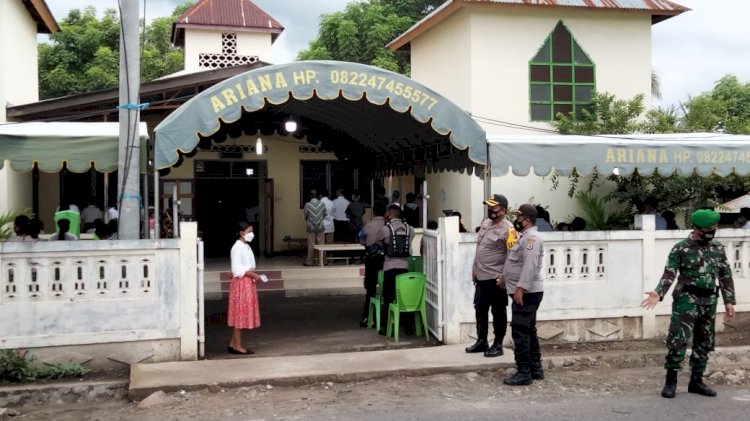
(375, 304)
(410, 295)
(74, 218)
(416, 264)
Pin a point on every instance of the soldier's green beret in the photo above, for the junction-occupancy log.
(703, 218)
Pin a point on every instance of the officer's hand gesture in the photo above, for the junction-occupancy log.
(518, 296)
(651, 301)
(500, 282)
(729, 315)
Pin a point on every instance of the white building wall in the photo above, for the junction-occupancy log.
(18, 85)
(200, 41)
(479, 58)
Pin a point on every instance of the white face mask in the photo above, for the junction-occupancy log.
(249, 237)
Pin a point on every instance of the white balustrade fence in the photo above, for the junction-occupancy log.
(594, 281)
(73, 293)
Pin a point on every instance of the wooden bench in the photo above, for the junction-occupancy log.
(323, 248)
(300, 242)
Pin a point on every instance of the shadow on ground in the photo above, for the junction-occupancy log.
(302, 326)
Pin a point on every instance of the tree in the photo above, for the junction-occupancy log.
(726, 107)
(360, 32)
(609, 115)
(85, 54)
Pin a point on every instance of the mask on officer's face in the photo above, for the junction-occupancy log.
(518, 225)
(491, 214)
(707, 236)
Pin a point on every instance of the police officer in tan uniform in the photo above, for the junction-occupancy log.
(489, 292)
(524, 284)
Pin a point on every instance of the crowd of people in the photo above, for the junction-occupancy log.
(341, 220)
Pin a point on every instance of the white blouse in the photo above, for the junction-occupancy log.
(242, 259)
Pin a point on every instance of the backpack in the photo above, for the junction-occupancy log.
(400, 245)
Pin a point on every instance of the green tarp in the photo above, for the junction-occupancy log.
(327, 80)
(78, 145)
(704, 153)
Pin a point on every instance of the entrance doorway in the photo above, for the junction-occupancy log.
(226, 193)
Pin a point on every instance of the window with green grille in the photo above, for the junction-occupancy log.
(561, 77)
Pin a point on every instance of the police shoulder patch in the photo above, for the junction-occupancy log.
(530, 244)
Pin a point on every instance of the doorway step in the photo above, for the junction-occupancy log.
(294, 281)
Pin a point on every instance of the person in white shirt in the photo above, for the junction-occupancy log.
(340, 219)
(90, 214)
(112, 212)
(243, 311)
(328, 225)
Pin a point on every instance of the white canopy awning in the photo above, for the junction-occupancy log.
(705, 153)
(50, 145)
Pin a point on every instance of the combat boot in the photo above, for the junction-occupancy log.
(521, 378)
(537, 371)
(479, 346)
(697, 386)
(670, 385)
(495, 350)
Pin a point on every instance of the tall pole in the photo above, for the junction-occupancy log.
(128, 189)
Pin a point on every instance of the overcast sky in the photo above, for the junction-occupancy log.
(690, 52)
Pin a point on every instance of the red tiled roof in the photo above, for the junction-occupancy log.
(239, 14)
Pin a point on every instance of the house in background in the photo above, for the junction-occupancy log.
(20, 22)
(514, 64)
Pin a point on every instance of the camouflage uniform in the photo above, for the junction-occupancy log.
(694, 299)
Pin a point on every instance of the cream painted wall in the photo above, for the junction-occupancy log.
(199, 41)
(283, 159)
(439, 59)
(479, 59)
(503, 42)
(18, 85)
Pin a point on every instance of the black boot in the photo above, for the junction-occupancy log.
(495, 350)
(479, 346)
(537, 371)
(521, 378)
(697, 386)
(670, 385)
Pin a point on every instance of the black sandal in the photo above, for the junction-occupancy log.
(234, 351)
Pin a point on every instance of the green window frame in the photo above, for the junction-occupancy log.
(562, 77)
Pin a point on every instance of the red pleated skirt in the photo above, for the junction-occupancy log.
(243, 312)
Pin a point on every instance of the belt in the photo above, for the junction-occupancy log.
(700, 292)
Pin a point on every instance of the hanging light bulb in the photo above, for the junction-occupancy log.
(259, 146)
(290, 126)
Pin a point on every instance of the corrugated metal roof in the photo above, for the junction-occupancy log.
(659, 9)
(226, 14)
(654, 5)
(240, 13)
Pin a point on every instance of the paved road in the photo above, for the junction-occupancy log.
(565, 395)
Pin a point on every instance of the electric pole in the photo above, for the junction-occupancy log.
(128, 188)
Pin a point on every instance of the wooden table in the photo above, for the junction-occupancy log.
(322, 248)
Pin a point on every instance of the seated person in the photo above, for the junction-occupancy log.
(62, 234)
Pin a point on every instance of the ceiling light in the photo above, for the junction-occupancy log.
(290, 126)
(259, 147)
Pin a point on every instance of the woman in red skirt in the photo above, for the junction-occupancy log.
(243, 310)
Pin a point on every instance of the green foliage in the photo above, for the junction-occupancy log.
(16, 368)
(607, 114)
(85, 54)
(600, 214)
(726, 107)
(6, 222)
(360, 32)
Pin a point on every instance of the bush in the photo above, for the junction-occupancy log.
(16, 368)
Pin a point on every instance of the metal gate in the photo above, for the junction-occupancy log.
(432, 257)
